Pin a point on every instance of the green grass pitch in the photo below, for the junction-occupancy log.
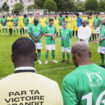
(54, 71)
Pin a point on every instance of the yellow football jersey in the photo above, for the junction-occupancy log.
(56, 24)
(21, 22)
(10, 22)
(74, 23)
(31, 20)
(43, 21)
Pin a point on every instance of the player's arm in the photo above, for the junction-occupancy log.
(69, 93)
(70, 33)
(30, 33)
(45, 32)
(100, 40)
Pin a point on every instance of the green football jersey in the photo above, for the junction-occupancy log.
(15, 21)
(26, 21)
(4, 21)
(35, 30)
(85, 86)
(61, 20)
(50, 30)
(65, 34)
(97, 21)
(102, 35)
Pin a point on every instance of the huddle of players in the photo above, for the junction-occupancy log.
(15, 23)
(61, 26)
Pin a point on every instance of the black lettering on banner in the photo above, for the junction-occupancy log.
(34, 91)
(31, 97)
(17, 93)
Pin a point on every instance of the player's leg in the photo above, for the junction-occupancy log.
(39, 56)
(14, 30)
(102, 59)
(68, 54)
(53, 53)
(68, 57)
(23, 31)
(10, 31)
(6, 30)
(63, 55)
(53, 57)
(46, 55)
(20, 31)
(3, 31)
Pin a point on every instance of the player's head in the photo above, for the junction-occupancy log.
(36, 20)
(23, 52)
(25, 16)
(97, 15)
(80, 54)
(60, 15)
(55, 17)
(66, 16)
(51, 21)
(77, 14)
(90, 16)
(64, 25)
(103, 20)
(3, 16)
(84, 23)
(30, 15)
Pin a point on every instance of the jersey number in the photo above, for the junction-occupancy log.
(88, 97)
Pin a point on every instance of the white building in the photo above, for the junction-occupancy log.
(11, 3)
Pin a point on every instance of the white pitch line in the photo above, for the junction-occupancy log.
(42, 71)
(55, 69)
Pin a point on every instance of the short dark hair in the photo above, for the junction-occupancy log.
(51, 20)
(77, 14)
(23, 46)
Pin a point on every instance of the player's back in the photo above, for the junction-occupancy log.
(88, 82)
(29, 89)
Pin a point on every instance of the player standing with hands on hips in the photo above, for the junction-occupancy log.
(50, 33)
(35, 31)
(65, 34)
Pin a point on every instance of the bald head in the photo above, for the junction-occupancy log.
(80, 53)
(36, 20)
(80, 48)
(103, 20)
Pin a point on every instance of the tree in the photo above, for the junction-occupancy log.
(39, 3)
(5, 7)
(59, 4)
(32, 6)
(91, 5)
(67, 5)
(79, 6)
(18, 7)
(101, 6)
(50, 5)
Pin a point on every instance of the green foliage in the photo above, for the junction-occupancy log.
(5, 7)
(59, 4)
(79, 6)
(68, 5)
(33, 6)
(50, 5)
(91, 5)
(39, 3)
(18, 7)
(101, 5)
